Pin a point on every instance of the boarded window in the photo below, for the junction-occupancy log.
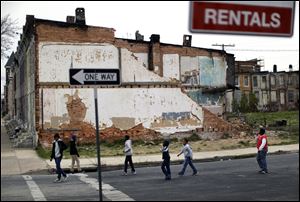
(290, 96)
(273, 96)
(246, 80)
(282, 100)
(255, 81)
(273, 80)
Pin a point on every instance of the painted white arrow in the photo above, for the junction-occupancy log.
(79, 76)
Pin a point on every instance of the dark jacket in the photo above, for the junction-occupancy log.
(62, 146)
(73, 148)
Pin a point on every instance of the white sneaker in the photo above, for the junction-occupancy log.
(124, 174)
(134, 173)
(57, 180)
(65, 178)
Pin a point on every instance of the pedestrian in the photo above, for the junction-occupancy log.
(128, 156)
(262, 147)
(165, 166)
(58, 147)
(74, 153)
(188, 157)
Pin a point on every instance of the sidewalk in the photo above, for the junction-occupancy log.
(19, 161)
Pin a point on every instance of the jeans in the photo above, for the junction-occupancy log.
(188, 161)
(128, 159)
(261, 160)
(165, 167)
(59, 171)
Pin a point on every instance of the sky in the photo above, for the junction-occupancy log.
(168, 19)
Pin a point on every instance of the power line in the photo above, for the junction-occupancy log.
(223, 45)
(265, 50)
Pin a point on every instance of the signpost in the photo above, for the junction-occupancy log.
(95, 77)
(269, 18)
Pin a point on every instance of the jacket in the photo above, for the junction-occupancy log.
(127, 148)
(165, 153)
(62, 146)
(73, 148)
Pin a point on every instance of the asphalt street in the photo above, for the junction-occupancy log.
(230, 180)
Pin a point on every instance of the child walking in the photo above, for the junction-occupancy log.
(74, 153)
(128, 156)
(188, 156)
(165, 166)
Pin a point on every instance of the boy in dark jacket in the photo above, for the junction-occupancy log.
(74, 153)
(165, 166)
(57, 153)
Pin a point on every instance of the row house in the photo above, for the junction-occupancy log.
(277, 90)
(164, 87)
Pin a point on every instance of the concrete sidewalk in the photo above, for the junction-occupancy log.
(19, 161)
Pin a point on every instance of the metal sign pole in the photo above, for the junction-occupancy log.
(98, 143)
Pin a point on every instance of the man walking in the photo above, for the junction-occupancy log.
(128, 156)
(58, 147)
(262, 147)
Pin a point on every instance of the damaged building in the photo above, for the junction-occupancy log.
(165, 88)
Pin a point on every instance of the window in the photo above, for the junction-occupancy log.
(236, 80)
(273, 80)
(290, 96)
(246, 80)
(264, 82)
(290, 80)
(255, 81)
(282, 100)
(273, 96)
(281, 80)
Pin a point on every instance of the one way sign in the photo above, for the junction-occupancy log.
(94, 76)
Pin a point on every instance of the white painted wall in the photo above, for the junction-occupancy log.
(171, 66)
(143, 104)
(55, 59)
(134, 67)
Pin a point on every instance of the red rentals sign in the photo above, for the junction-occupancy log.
(270, 18)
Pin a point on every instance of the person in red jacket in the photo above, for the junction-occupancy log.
(262, 147)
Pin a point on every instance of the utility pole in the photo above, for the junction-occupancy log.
(223, 45)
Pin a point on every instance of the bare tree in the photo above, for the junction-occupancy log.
(8, 32)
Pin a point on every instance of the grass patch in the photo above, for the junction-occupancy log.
(259, 118)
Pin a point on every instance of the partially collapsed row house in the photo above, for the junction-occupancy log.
(164, 88)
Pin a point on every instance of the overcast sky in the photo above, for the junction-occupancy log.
(169, 19)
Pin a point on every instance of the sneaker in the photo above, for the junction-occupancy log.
(196, 173)
(65, 178)
(134, 173)
(168, 178)
(124, 174)
(262, 172)
(57, 180)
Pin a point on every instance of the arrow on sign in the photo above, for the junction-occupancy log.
(79, 77)
(94, 76)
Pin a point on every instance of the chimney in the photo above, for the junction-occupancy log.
(154, 38)
(155, 57)
(290, 68)
(187, 40)
(80, 16)
(138, 36)
(70, 19)
(274, 68)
